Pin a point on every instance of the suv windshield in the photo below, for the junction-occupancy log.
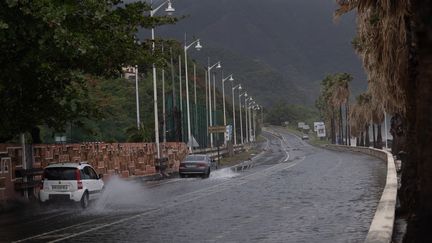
(60, 173)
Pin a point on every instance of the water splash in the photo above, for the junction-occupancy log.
(225, 173)
(120, 195)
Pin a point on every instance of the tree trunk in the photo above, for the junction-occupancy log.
(373, 135)
(362, 140)
(420, 120)
(367, 139)
(379, 137)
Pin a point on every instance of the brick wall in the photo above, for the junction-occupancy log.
(125, 159)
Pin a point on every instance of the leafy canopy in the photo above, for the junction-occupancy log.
(50, 49)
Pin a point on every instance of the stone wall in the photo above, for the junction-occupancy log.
(124, 159)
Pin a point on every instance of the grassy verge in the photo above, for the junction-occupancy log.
(240, 157)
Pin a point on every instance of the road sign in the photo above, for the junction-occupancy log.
(321, 132)
(316, 124)
(228, 133)
(217, 129)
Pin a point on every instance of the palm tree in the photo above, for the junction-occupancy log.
(357, 123)
(394, 41)
(334, 95)
(339, 97)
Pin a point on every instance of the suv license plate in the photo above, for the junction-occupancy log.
(60, 187)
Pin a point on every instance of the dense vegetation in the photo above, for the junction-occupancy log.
(61, 65)
(282, 112)
(52, 51)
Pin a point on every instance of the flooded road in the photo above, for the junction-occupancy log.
(293, 193)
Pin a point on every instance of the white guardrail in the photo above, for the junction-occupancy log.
(381, 229)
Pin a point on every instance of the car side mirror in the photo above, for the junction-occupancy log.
(100, 176)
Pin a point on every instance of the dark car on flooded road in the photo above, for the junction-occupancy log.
(196, 164)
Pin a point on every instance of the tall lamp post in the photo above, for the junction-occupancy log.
(169, 10)
(137, 97)
(233, 106)
(251, 105)
(209, 68)
(249, 99)
(241, 119)
(186, 47)
(230, 78)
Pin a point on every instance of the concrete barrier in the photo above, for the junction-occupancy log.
(381, 229)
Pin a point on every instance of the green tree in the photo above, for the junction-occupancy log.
(50, 50)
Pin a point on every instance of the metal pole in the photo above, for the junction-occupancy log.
(181, 98)
(224, 110)
(137, 97)
(241, 119)
(156, 118)
(254, 125)
(189, 142)
(214, 106)
(234, 118)
(181, 88)
(214, 99)
(250, 124)
(163, 107)
(172, 80)
(210, 106)
(207, 107)
(246, 120)
(163, 104)
(195, 98)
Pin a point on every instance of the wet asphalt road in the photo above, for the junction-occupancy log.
(294, 193)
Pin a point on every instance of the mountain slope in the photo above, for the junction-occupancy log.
(296, 41)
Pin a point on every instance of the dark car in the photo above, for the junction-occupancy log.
(196, 164)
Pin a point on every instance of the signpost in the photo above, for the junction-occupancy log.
(228, 133)
(321, 132)
(217, 129)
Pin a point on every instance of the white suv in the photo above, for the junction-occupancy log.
(76, 182)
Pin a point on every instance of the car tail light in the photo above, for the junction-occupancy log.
(78, 178)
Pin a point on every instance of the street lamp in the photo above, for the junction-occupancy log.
(209, 68)
(137, 98)
(247, 104)
(250, 119)
(228, 78)
(168, 10)
(241, 119)
(253, 115)
(186, 47)
(233, 106)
